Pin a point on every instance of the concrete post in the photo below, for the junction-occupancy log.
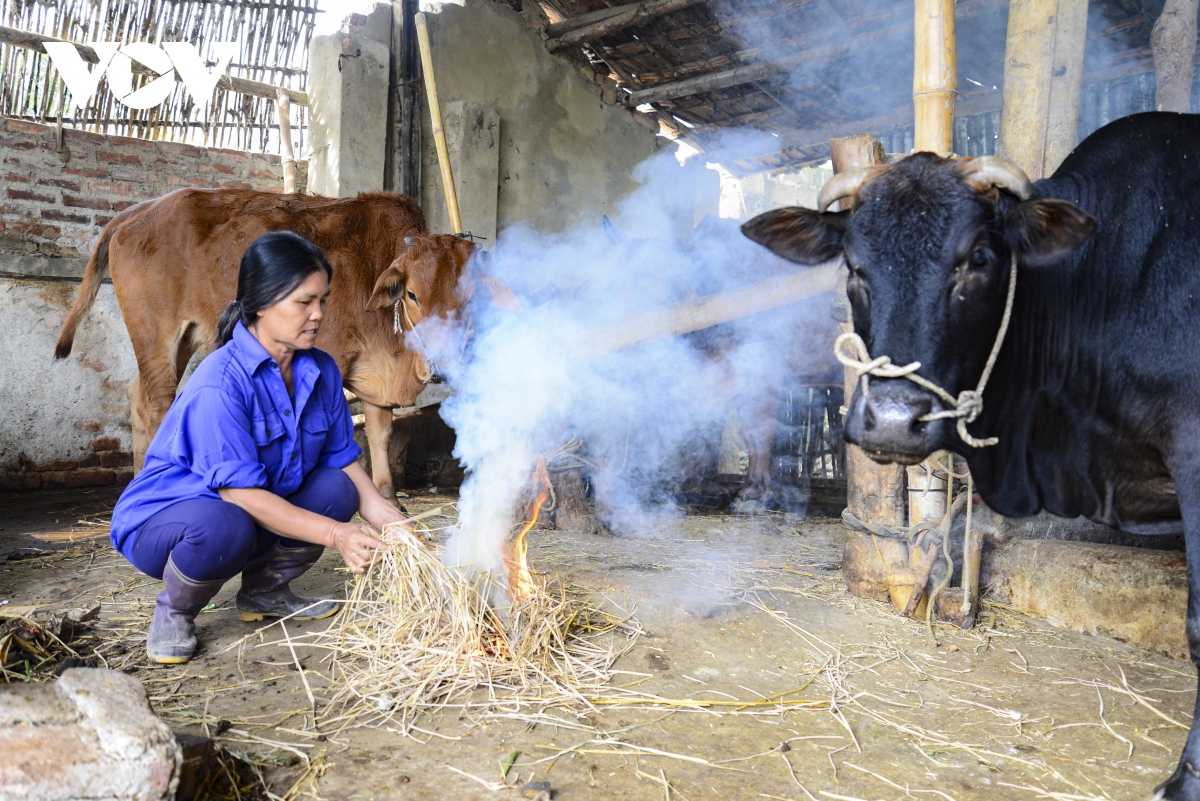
(473, 138)
(348, 103)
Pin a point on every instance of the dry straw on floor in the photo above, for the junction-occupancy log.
(416, 636)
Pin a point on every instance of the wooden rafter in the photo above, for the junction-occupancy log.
(596, 24)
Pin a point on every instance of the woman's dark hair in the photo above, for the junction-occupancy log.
(272, 267)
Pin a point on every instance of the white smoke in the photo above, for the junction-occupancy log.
(526, 385)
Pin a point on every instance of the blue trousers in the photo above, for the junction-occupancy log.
(210, 539)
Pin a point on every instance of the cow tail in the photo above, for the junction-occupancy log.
(93, 276)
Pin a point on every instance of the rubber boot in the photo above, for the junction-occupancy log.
(265, 591)
(172, 637)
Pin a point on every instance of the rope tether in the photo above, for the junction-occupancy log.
(969, 403)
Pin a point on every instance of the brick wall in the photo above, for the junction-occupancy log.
(56, 201)
(66, 424)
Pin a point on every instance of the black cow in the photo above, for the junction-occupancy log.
(1095, 396)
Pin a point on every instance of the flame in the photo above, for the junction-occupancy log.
(521, 581)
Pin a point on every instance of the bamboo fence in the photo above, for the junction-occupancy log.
(273, 37)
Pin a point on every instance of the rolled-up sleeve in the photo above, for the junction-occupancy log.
(216, 440)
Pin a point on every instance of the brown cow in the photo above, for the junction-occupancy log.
(174, 265)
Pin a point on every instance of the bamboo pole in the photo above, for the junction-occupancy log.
(935, 76)
(439, 133)
(283, 105)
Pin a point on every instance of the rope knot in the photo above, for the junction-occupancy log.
(970, 405)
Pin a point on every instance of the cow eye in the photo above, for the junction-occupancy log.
(980, 257)
(412, 296)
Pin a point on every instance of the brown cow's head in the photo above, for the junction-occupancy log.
(434, 277)
(929, 247)
(424, 282)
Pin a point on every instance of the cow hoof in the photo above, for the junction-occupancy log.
(1184, 785)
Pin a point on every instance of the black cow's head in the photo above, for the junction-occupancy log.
(929, 246)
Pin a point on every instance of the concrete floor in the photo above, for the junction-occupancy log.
(735, 609)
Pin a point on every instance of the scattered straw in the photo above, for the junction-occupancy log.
(416, 635)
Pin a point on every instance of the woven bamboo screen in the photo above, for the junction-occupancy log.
(273, 38)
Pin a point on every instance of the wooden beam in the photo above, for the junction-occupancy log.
(874, 492)
(1043, 76)
(587, 27)
(402, 170)
(757, 71)
(1173, 42)
(34, 41)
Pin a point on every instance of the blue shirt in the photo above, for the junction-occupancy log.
(233, 425)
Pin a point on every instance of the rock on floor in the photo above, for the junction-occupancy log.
(89, 736)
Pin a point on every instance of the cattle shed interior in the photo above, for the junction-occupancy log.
(753, 607)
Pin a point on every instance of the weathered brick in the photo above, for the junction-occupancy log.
(96, 477)
(121, 205)
(104, 219)
(125, 141)
(21, 126)
(20, 482)
(116, 459)
(106, 444)
(65, 216)
(25, 194)
(112, 157)
(55, 480)
(223, 169)
(109, 188)
(17, 144)
(132, 177)
(233, 185)
(86, 203)
(60, 183)
(179, 149)
(264, 175)
(86, 172)
(185, 180)
(123, 477)
(17, 178)
(227, 155)
(61, 464)
(84, 136)
(91, 460)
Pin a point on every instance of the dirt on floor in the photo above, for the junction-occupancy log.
(853, 702)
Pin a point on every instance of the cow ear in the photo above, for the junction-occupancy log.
(799, 234)
(390, 286)
(1043, 231)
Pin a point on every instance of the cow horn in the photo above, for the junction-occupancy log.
(408, 240)
(844, 184)
(984, 172)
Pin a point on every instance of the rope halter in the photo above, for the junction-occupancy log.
(966, 407)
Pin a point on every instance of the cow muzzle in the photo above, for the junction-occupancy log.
(884, 419)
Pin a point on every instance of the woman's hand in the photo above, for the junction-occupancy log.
(372, 505)
(358, 545)
(383, 513)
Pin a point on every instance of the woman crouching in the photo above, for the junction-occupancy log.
(253, 469)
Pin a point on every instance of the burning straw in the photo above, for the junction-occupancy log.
(417, 635)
